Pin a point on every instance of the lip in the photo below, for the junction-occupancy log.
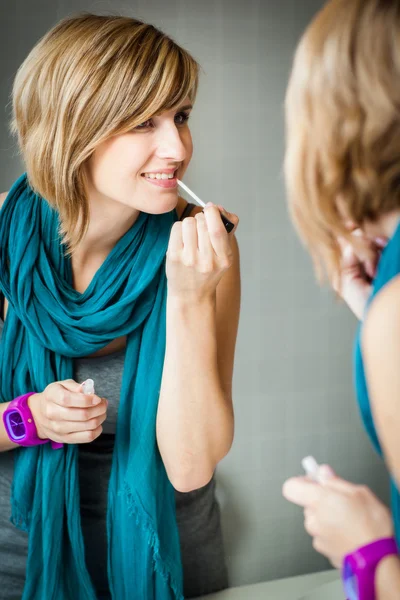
(164, 183)
(167, 171)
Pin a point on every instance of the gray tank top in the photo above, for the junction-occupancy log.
(197, 512)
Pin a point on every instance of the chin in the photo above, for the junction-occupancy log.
(162, 206)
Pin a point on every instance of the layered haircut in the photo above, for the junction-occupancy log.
(89, 78)
(343, 124)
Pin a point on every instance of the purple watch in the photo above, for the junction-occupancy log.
(20, 426)
(358, 571)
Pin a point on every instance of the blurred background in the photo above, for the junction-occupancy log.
(293, 389)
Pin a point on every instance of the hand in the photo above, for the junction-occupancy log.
(339, 515)
(63, 413)
(358, 269)
(199, 253)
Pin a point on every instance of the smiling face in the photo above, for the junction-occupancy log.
(139, 169)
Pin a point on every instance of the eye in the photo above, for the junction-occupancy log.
(145, 125)
(182, 118)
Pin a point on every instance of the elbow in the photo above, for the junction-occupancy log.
(190, 483)
(196, 476)
(187, 478)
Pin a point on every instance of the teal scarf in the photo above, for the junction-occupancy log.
(48, 324)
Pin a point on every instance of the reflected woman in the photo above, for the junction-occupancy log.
(343, 180)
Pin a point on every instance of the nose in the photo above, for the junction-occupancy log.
(170, 143)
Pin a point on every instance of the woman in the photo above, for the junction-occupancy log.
(102, 280)
(342, 174)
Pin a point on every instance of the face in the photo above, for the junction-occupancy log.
(139, 169)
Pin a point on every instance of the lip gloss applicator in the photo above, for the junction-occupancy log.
(228, 224)
(311, 467)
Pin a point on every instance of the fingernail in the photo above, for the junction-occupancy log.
(209, 204)
(96, 400)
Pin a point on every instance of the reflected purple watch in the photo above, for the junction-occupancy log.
(20, 425)
(358, 571)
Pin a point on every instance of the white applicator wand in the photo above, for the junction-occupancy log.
(88, 386)
(311, 467)
(228, 224)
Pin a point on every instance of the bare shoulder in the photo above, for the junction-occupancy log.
(381, 329)
(3, 196)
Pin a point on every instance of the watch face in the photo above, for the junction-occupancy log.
(350, 583)
(16, 425)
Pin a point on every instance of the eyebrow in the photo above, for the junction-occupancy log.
(186, 107)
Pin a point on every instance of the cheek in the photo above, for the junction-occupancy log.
(188, 143)
(116, 160)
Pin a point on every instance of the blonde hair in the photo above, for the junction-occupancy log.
(343, 124)
(89, 78)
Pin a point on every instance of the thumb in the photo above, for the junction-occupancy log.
(71, 385)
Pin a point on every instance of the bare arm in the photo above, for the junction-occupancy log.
(387, 582)
(195, 420)
(381, 351)
(5, 443)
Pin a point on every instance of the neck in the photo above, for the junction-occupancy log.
(109, 220)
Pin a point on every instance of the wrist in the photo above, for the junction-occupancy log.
(33, 404)
(192, 301)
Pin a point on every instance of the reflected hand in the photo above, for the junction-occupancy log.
(358, 269)
(339, 515)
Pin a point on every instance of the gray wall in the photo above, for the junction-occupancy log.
(293, 388)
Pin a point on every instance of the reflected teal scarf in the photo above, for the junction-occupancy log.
(48, 324)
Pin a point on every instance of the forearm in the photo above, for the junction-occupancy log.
(195, 416)
(387, 579)
(5, 443)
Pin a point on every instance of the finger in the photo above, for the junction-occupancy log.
(63, 413)
(311, 524)
(336, 562)
(190, 243)
(325, 473)
(340, 485)
(63, 397)
(231, 216)
(82, 437)
(381, 242)
(218, 235)
(203, 237)
(175, 245)
(302, 491)
(67, 427)
(71, 385)
(319, 545)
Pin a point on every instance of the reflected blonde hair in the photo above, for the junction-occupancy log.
(89, 78)
(343, 124)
